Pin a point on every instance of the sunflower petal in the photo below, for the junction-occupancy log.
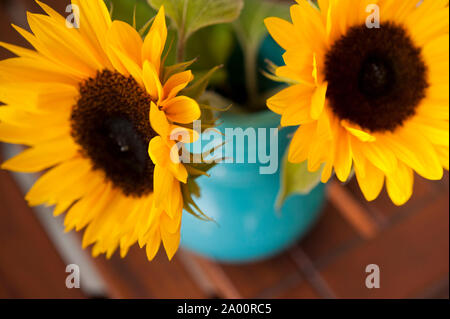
(159, 121)
(399, 184)
(171, 242)
(370, 180)
(42, 156)
(182, 109)
(155, 41)
(176, 83)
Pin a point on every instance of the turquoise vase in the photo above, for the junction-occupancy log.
(247, 226)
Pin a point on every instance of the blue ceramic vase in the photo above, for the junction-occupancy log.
(242, 202)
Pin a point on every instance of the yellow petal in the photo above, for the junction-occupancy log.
(93, 205)
(426, 27)
(300, 145)
(95, 22)
(171, 242)
(415, 151)
(31, 135)
(57, 178)
(149, 221)
(296, 115)
(182, 109)
(183, 134)
(19, 51)
(358, 132)
(175, 203)
(86, 209)
(152, 82)
(399, 184)
(171, 225)
(125, 39)
(442, 153)
(18, 116)
(176, 83)
(129, 66)
(437, 132)
(163, 181)
(159, 121)
(327, 172)
(153, 244)
(155, 41)
(343, 155)
(318, 101)
(309, 26)
(43, 156)
(370, 179)
(32, 70)
(380, 156)
(282, 31)
(60, 41)
(291, 75)
(159, 151)
(439, 111)
(73, 189)
(319, 151)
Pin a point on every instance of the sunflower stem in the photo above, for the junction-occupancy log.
(181, 46)
(251, 78)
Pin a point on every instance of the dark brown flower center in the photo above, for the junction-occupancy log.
(376, 77)
(111, 123)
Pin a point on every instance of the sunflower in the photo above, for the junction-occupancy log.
(374, 99)
(91, 105)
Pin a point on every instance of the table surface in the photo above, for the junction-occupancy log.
(409, 243)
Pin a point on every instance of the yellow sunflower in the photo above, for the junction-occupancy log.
(90, 103)
(372, 98)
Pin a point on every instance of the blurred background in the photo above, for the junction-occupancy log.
(410, 244)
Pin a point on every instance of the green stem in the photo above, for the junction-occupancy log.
(181, 46)
(251, 78)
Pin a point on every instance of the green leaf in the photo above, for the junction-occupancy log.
(250, 25)
(250, 31)
(192, 15)
(187, 190)
(296, 179)
(124, 10)
(215, 52)
(177, 68)
(197, 89)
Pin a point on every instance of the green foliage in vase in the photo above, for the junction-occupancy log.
(296, 180)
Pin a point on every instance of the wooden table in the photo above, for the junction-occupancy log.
(410, 244)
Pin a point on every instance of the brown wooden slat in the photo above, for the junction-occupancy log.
(383, 206)
(224, 286)
(136, 277)
(352, 210)
(5, 31)
(332, 236)
(30, 266)
(445, 181)
(412, 255)
(302, 291)
(254, 278)
(270, 278)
